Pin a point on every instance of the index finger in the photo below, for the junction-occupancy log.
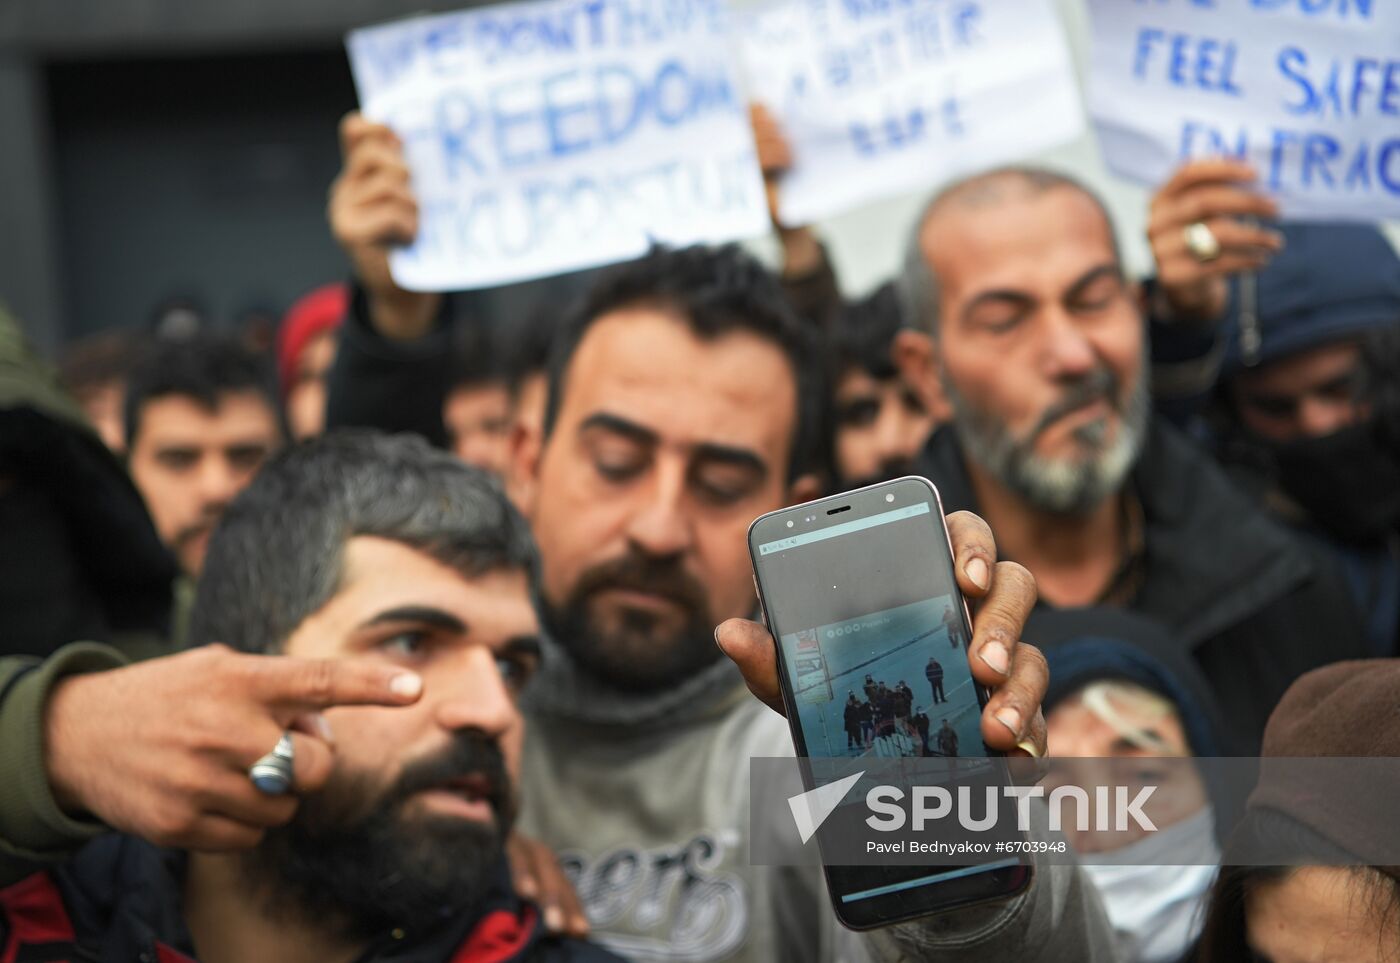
(300, 684)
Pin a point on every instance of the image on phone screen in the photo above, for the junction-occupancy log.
(888, 684)
(860, 592)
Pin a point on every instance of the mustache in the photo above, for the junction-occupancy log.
(470, 755)
(206, 523)
(1099, 383)
(641, 573)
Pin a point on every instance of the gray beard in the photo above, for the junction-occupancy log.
(1058, 486)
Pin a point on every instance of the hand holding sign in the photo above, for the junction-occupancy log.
(372, 209)
(876, 98)
(1307, 91)
(1217, 193)
(552, 135)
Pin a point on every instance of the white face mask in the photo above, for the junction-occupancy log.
(1156, 910)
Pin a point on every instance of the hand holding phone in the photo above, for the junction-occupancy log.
(1003, 594)
(876, 657)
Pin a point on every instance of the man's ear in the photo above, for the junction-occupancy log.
(523, 469)
(920, 366)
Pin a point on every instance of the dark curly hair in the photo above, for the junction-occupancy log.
(717, 290)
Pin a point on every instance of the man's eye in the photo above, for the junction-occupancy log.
(405, 643)
(517, 670)
(178, 460)
(859, 413)
(1097, 296)
(912, 403)
(718, 493)
(1345, 388)
(617, 470)
(1000, 322)
(247, 457)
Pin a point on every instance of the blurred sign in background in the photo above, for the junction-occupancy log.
(159, 149)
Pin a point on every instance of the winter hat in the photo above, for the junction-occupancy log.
(313, 313)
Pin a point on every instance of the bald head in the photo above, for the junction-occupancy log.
(970, 197)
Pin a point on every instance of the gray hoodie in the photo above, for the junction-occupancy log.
(646, 798)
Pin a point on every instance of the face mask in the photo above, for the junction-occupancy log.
(1155, 910)
(1348, 482)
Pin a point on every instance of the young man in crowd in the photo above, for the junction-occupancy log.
(79, 557)
(1028, 327)
(879, 423)
(477, 410)
(682, 404)
(1294, 367)
(373, 598)
(201, 418)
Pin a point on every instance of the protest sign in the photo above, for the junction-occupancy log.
(554, 135)
(1306, 90)
(877, 97)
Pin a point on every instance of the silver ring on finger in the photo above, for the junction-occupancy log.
(1202, 242)
(272, 774)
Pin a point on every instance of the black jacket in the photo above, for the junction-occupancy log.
(393, 386)
(1252, 604)
(118, 901)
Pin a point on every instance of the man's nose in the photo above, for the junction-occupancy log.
(219, 480)
(892, 430)
(473, 694)
(660, 525)
(1067, 353)
(1319, 417)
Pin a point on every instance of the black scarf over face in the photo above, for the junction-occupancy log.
(1348, 482)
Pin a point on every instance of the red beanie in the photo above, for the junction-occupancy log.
(319, 311)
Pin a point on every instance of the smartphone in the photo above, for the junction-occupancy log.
(872, 632)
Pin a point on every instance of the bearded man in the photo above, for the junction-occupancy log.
(1027, 327)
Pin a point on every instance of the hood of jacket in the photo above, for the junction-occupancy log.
(47, 445)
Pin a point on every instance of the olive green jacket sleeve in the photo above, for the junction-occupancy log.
(33, 830)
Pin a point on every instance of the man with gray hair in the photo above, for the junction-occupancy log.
(1025, 324)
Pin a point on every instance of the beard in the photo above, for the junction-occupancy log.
(352, 857)
(634, 650)
(1073, 485)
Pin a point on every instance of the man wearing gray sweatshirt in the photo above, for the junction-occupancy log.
(684, 402)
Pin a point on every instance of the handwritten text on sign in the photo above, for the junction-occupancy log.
(1307, 90)
(560, 134)
(877, 97)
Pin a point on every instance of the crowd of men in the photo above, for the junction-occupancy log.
(486, 586)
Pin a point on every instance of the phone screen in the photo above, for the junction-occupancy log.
(859, 592)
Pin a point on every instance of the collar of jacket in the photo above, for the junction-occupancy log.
(127, 895)
(564, 691)
(1212, 557)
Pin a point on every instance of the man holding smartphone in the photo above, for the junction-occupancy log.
(682, 406)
